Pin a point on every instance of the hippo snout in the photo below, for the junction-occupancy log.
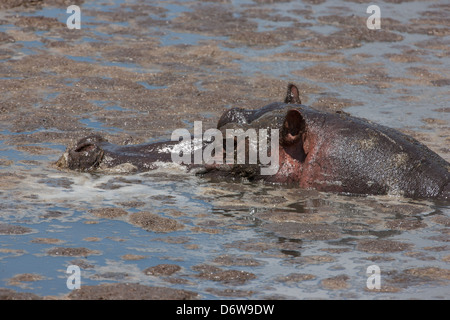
(85, 156)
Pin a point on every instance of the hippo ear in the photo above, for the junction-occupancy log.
(292, 95)
(294, 127)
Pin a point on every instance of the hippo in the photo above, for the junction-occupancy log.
(329, 152)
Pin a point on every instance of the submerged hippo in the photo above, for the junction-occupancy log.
(332, 152)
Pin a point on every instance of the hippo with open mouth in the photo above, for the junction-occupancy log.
(331, 152)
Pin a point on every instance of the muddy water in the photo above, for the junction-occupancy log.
(136, 71)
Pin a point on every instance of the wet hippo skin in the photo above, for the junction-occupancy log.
(332, 152)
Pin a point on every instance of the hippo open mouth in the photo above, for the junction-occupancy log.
(332, 152)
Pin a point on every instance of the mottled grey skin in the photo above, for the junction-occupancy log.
(94, 153)
(331, 152)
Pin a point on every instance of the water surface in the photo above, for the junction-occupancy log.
(136, 71)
